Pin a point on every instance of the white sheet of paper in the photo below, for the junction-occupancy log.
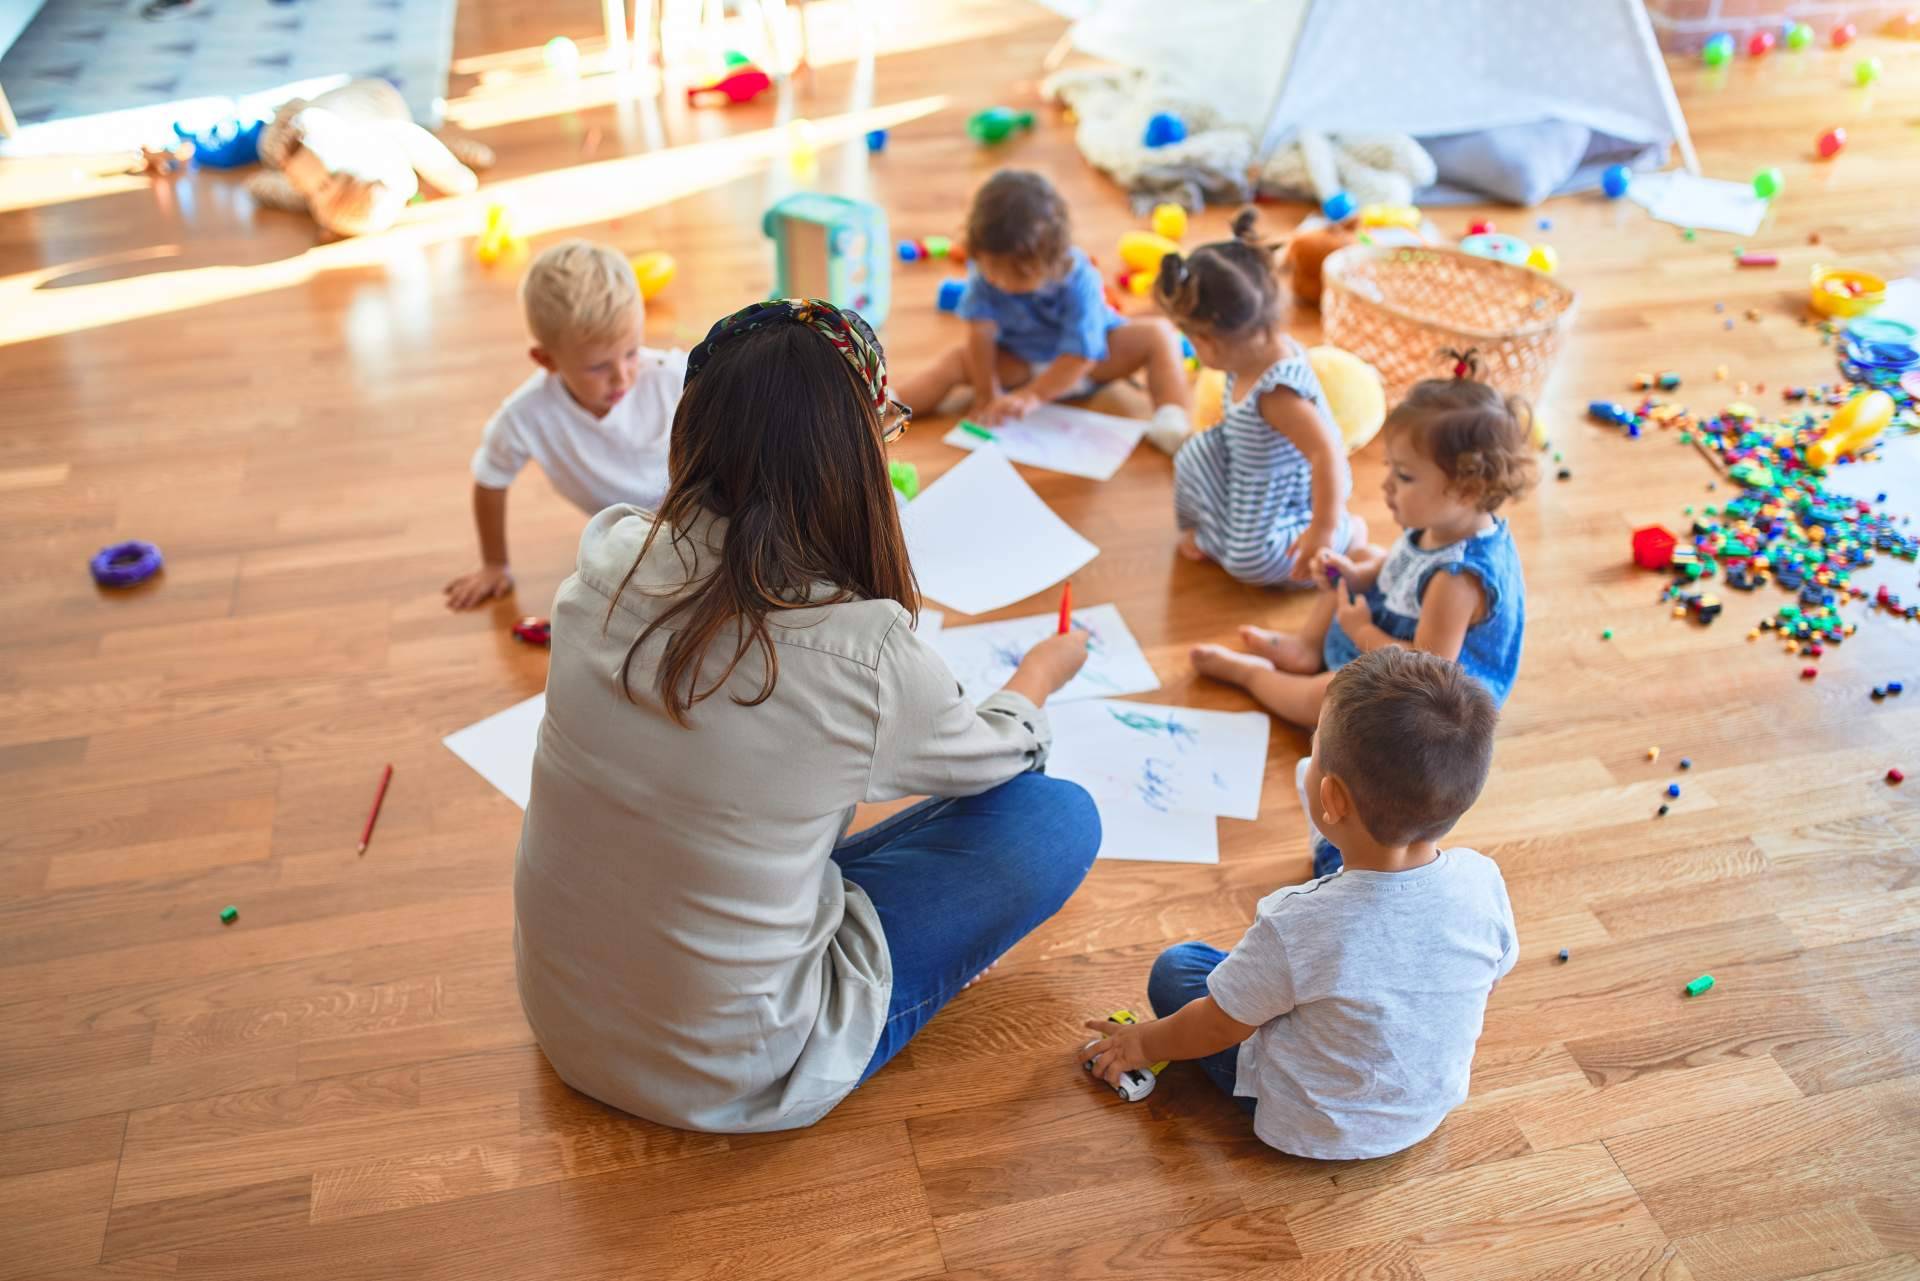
(1895, 472)
(932, 623)
(500, 748)
(1709, 204)
(1060, 438)
(1903, 301)
(1131, 831)
(981, 539)
(1170, 759)
(984, 655)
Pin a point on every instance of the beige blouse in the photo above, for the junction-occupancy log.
(686, 949)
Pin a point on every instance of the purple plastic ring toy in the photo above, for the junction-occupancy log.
(124, 564)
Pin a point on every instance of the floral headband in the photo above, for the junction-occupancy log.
(850, 336)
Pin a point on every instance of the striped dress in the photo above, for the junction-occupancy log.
(1243, 488)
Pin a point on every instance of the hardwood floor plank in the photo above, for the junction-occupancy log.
(1806, 1242)
(157, 1227)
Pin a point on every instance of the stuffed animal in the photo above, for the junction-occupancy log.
(350, 158)
(1308, 250)
(1112, 109)
(1373, 169)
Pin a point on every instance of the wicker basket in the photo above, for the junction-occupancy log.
(1396, 308)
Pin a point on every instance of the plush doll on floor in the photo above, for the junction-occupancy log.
(353, 158)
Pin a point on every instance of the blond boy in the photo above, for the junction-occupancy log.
(595, 415)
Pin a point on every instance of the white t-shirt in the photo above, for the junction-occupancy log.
(1368, 989)
(593, 462)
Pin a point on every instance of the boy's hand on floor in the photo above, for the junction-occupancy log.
(1006, 406)
(1117, 1051)
(479, 587)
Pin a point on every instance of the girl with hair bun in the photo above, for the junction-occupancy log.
(1264, 493)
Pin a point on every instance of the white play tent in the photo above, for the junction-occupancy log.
(1424, 68)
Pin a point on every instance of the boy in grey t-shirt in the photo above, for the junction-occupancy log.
(1346, 1017)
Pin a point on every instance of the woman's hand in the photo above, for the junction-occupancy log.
(1050, 665)
(1120, 1049)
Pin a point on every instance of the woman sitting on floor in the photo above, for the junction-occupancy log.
(698, 942)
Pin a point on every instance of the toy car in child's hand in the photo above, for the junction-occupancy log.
(1135, 1083)
(534, 631)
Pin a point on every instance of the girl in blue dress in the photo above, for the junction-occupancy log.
(1457, 449)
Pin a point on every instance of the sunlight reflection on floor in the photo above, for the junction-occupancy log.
(35, 304)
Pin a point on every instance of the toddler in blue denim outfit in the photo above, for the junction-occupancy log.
(1450, 585)
(1040, 328)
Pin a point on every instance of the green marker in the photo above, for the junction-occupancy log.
(229, 914)
(975, 429)
(1700, 985)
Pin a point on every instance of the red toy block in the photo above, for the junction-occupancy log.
(1653, 547)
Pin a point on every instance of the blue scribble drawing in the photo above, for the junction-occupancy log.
(1156, 787)
(1008, 656)
(1181, 735)
(1219, 782)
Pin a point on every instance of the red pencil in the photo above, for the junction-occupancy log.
(366, 833)
(1066, 607)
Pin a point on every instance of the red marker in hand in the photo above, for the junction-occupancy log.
(1066, 607)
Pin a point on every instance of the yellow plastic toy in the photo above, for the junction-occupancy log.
(1140, 283)
(1543, 258)
(1841, 291)
(498, 240)
(1353, 389)
(1169, 220)
(1143, 250)
(1852, 428)
(654, 271)
(1209, 398)
(1354, 393)
(1390, 216)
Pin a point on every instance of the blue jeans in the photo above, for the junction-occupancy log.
(958, 882)
(1179, 976)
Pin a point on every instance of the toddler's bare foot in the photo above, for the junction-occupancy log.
(1286, 651)
(1189, 546)
(1228, 665)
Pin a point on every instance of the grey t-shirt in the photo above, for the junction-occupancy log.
(1368, 989)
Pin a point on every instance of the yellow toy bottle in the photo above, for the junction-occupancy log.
(1852, 428)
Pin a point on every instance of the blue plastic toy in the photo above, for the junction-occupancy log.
(907, 250)
(876, 140)
(227, 144)
(833, 248)
(1164, 129)
(1615, 181)
(1337, 207)
(950, 291)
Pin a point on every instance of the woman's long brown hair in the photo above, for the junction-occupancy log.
(776, 436)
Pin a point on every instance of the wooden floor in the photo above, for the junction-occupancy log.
(341, 1084)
